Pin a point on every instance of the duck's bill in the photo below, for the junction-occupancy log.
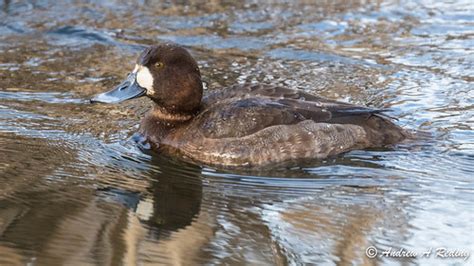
(127, 90)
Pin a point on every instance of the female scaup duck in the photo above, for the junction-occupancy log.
(243, 125)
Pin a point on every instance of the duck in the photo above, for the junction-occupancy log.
(245, 125)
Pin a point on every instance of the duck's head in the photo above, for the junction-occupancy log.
(165, 73)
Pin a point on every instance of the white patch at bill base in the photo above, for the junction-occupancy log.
(145, 79)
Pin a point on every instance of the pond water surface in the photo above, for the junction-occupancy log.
(75, 190)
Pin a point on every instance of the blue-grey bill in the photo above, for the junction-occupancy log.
(126, 90)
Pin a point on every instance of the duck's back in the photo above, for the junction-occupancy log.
(262, 125)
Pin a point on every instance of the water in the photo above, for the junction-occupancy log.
(75, 190)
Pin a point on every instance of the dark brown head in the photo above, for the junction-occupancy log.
(167, 74)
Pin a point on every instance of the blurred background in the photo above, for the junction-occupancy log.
(75, 190)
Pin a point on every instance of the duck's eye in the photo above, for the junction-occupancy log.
(159, 65)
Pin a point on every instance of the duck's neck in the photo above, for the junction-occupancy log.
(159, 122)
(161, 114)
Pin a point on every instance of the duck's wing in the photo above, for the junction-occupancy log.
(260, 106)
(233, 118)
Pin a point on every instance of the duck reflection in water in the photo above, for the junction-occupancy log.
(159, 218)
(71, 224)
